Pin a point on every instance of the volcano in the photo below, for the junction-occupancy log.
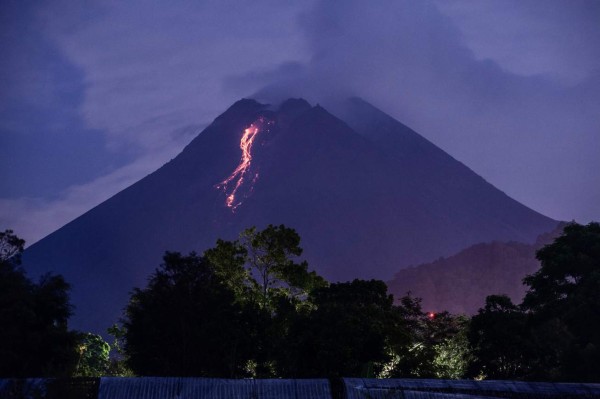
(367, 194)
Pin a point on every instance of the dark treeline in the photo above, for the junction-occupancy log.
(251, 308)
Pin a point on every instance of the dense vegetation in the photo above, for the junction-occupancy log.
(34, 339)
(251, 308)
(555, 333)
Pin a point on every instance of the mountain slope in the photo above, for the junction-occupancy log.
(364, 201)
(461, 282)
(453, 188)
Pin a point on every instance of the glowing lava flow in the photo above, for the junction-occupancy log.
(243, 168)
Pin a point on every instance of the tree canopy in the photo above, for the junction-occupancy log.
(564, 302)
(94, 356)
(34, 338)
(261, 266)
(221, 314)
(250, 308)
(501, 340)
(345, 335)
(555, 333)
(187, 322)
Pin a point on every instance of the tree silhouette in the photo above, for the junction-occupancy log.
(564, 302)
(187, 322)
(555, 333)
(34, 338)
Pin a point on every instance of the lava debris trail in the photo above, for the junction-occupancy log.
(243, 169)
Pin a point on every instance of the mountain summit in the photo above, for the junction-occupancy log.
(367, 195)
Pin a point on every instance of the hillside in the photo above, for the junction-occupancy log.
(460, 283)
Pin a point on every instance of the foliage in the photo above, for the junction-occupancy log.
(11, 247)
(501, 340)
(245, 306)
(224, 314)
(344, 335)
(34, 338)
(261, 270)
(555, 333)
(564, 303)
(187, 322)
(432, 345)
(248, 308)
(118, 357)
(93, 356)
(453, 354)
(260, 266)
(570, 269)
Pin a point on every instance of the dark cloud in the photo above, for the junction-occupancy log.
(42, 135)
(554, 37)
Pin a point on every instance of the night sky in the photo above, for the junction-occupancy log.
(95, 95)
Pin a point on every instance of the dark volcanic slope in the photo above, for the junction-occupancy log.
(366, 201)
(446, 187)
(460, 283)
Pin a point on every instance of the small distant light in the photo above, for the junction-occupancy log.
(431, 315)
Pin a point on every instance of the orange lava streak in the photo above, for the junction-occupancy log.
(238, 174)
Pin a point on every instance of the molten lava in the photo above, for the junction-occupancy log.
(239, 174)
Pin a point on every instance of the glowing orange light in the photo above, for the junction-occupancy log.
(431, 315)
(243, 168)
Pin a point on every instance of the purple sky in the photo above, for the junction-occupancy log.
(93, 97)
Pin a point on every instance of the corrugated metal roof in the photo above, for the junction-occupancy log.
(211, 388)
(365, 388)
(355, 388)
